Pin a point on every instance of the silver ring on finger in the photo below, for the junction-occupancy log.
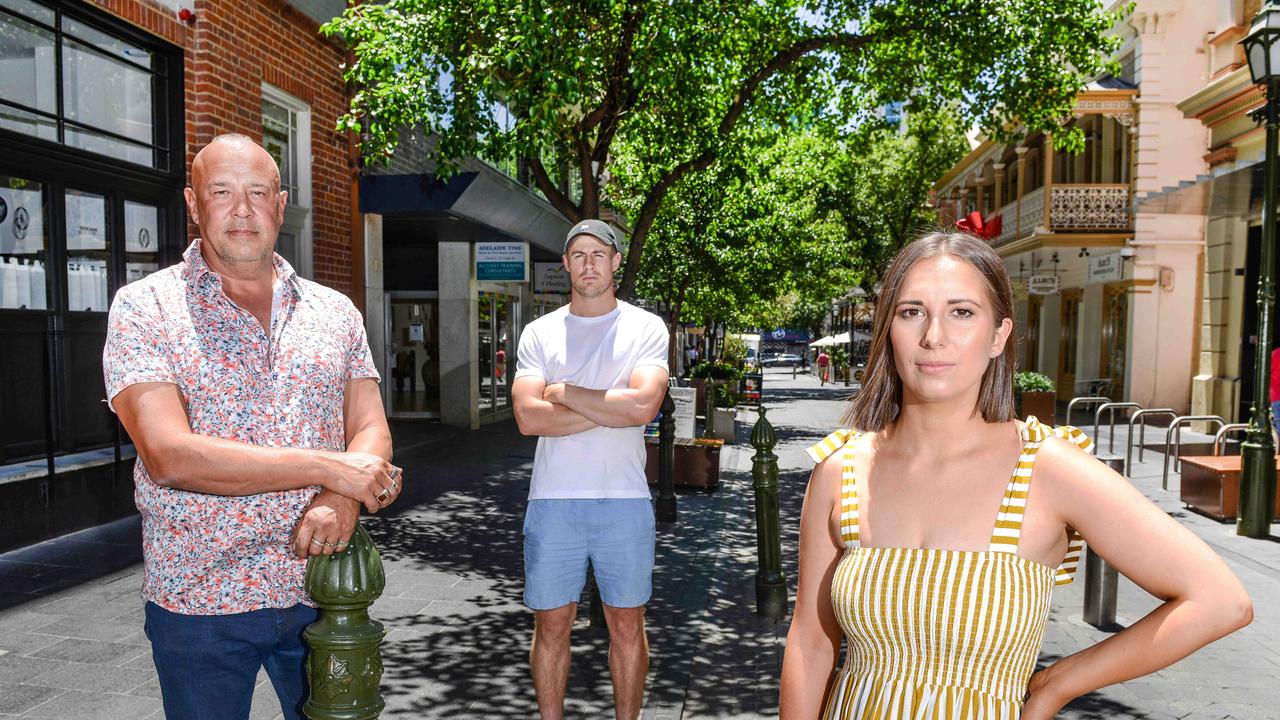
(315, 541)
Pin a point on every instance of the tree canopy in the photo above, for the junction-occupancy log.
(677, 80)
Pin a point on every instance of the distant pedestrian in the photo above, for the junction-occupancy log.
(589, 376)
(941, 610)
(500, 359)
(253, 401)
(824, 366)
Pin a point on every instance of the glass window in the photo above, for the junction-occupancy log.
(108, 44)
(87, 252)
(28, 65)
(141, 240)
(31, 9)
(111, 146)
(105, 93)
(23, 245)
(280, 138)
(106, 103)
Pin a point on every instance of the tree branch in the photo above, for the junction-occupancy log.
(558, 200)
(779, 62)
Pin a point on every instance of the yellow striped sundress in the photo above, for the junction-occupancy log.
(941, 634)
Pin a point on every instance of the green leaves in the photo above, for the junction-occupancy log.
(676, 86)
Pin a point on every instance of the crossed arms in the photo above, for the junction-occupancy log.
(176, 457)
(559, 409)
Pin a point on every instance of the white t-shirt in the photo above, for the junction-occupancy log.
(598, 353)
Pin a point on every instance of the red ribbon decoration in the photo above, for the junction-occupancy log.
(972, 223)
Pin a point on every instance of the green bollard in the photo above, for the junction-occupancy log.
(666, 503)
(344, 667)
(771, 585)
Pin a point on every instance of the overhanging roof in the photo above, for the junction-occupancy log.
(485, 196)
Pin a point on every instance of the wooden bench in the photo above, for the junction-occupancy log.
(1211, 485)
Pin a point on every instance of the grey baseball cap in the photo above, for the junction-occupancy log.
(597, 229)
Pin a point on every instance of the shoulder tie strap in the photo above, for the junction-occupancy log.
(1075, 543)
(842, 441)
(829, 444)
(1008, 529)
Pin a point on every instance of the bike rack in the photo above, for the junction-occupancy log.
(1176, 442)
(1222, 433)
(1141, 415)
(1097, 420)
(1084, 399)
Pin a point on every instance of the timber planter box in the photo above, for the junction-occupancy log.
(1211, 485)
(697, 462)
(1041, 404)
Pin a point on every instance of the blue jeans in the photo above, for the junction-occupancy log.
(208, 664)
(1275, 416)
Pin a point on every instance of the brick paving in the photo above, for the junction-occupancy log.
(72, 646)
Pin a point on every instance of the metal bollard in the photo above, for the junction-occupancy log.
(344, 667)
(665, 505)
(771, 585)
(1101, 581)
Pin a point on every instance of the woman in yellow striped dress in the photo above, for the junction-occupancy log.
(933, 535)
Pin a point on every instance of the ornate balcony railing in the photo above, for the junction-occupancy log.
(1089, 207)
(1032, 215)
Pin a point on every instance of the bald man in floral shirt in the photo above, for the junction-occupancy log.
(252, 398)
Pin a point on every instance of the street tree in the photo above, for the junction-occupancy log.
(879, 181)
(732, 244)
(676, 78)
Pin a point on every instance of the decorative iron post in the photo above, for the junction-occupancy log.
(771, 586)
(666, 502)
(1258, 451)
(344, 667)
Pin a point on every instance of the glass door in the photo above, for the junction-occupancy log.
(1068, 340)
(496, 317)
(413, 357)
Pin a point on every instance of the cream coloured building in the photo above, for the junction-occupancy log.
(1106, 293)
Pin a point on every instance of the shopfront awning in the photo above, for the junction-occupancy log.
(485, 196)
(1236, 193)
(824, 342)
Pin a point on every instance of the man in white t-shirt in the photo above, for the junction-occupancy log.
(588, 378)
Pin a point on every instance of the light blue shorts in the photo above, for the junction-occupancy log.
(616, 536)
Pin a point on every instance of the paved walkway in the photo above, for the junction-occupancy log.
(71, 644)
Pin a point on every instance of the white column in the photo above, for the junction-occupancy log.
(459, 337)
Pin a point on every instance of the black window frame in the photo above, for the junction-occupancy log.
(67, 392)
(168, 143)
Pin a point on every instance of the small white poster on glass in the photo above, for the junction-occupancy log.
(21, 221)
(141, 227)
(86, 221)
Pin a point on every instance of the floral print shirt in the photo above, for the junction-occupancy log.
(210, 554)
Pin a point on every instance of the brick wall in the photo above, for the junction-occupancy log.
(234, 47)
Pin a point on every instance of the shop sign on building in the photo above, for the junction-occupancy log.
(550, 278)
(502, 261)
(1042, 285)
(1106, 268)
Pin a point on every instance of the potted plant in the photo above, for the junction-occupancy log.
(1034, 394)
(714, 373)
(723, 424)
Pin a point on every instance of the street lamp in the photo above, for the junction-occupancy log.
(1258, 474)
